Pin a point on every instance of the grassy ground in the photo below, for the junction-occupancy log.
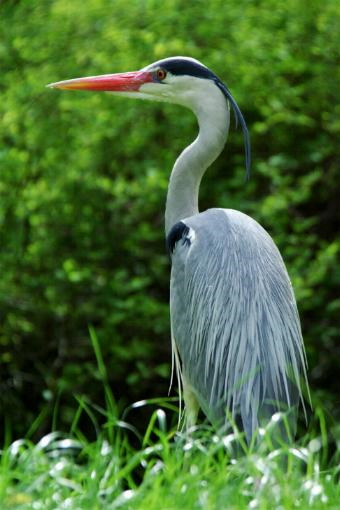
(164, 469)
(167, 471)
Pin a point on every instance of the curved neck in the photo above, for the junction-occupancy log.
(213, 119)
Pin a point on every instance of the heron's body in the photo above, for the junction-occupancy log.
(236, 334)
(234, 319)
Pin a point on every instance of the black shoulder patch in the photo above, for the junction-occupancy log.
(179, 231)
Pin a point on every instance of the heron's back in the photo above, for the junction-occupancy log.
(234, 318)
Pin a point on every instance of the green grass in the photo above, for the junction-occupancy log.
(167, 470)
(164, 469)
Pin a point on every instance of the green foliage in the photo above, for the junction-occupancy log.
(83, 180)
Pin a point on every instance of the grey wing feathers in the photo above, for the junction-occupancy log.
(234, 318)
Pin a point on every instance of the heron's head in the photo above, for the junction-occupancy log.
(178, 80)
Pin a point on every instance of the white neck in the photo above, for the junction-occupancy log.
(212, 111)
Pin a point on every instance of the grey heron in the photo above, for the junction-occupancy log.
(236, 338)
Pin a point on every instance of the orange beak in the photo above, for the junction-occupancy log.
(120, 82)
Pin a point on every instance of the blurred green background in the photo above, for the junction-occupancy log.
(83, 181)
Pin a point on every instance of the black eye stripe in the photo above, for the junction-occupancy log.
(181, 66)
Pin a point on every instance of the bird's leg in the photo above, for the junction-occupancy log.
(191, 403)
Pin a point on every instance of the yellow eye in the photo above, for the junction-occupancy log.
(161, 74)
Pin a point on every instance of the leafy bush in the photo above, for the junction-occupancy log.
(84, 178)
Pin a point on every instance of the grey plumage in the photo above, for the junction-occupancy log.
(234, 319)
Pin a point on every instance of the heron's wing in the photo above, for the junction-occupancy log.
(234, 317)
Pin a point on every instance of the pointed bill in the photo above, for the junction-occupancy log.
(120, 82)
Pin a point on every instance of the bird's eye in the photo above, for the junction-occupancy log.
(161, 74)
